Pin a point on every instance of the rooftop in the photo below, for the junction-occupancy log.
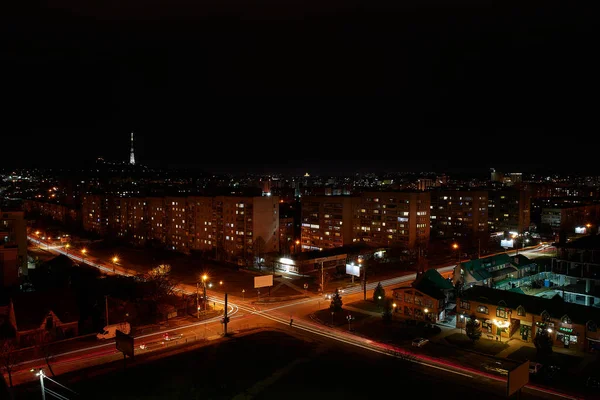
(359, 248)
(590, 242)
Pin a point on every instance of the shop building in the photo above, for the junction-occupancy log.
(507, 314)
(425, 299)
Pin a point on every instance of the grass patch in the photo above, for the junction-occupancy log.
(396, 332)
(340, 318)
(367, 305)
(485, 346)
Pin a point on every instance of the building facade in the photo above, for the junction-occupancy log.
(509, 210)
(379, 219)
(385, 219)
(13, 247)
(327, 222)
(233, 228)
(459, 213)
(504, 314)
(287, 243)
(569, 217)
(426, 298)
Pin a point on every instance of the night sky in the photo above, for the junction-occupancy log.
(274, 84)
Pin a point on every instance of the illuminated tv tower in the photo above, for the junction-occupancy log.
(131, 155)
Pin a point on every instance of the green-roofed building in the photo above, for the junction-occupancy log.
(495, 271)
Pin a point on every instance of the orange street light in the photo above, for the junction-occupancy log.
(37, 233)
(204, 277)
(455, 246)
(589, 225)
(83, 251)
(220, 282)
(297, 242)
(115, 259)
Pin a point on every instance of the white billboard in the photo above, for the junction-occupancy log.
(507, 243)
(263, 281)
(352, 269)
(580, 230)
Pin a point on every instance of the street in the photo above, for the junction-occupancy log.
(247, 314)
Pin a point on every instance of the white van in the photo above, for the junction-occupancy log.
(110, 331)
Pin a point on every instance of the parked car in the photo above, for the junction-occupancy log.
(419, 342)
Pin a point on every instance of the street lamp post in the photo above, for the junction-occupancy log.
(83, 251)
(197, 300)
(244, 294)
(204, 278)
(360, 260)
(114, 261)
(296, 243)
(462, 319)
(67, 248)
(349, 317)
(333, 312)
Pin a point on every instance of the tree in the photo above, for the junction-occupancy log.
(387, 310)
(379, 294)
(259, 249)
(543, 342)
(159, 282)
(8, 358)
(336, 302)
(472, 328)
(47, 338)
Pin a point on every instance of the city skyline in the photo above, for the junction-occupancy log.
(273, 153)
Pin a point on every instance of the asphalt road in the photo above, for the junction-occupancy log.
(279, 363)
(247, 315)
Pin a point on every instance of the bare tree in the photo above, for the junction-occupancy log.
(160, 282)
(47, 339)
(259, 248)
(8, 358)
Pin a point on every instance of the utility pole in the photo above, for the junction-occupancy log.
(204, 295)
(322, 279)
(364, 283)
(106, 306)
(197, 301)
(225, 317)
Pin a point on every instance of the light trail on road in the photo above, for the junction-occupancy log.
(316, 329)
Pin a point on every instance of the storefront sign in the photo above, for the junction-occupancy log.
(564, 329)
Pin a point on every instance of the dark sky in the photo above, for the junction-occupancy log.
(224, 83)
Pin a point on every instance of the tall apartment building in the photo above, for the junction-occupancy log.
(13, 247)
(385, 219)
(157, 218)
(176, 224)
(509, 210)
(286, 235)
(327, 221)
(236, 228)
(568, 217)
(459, 213)
(95, 213)
(377, 218)
(127, 219)
(250, 226)
(202, 223)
